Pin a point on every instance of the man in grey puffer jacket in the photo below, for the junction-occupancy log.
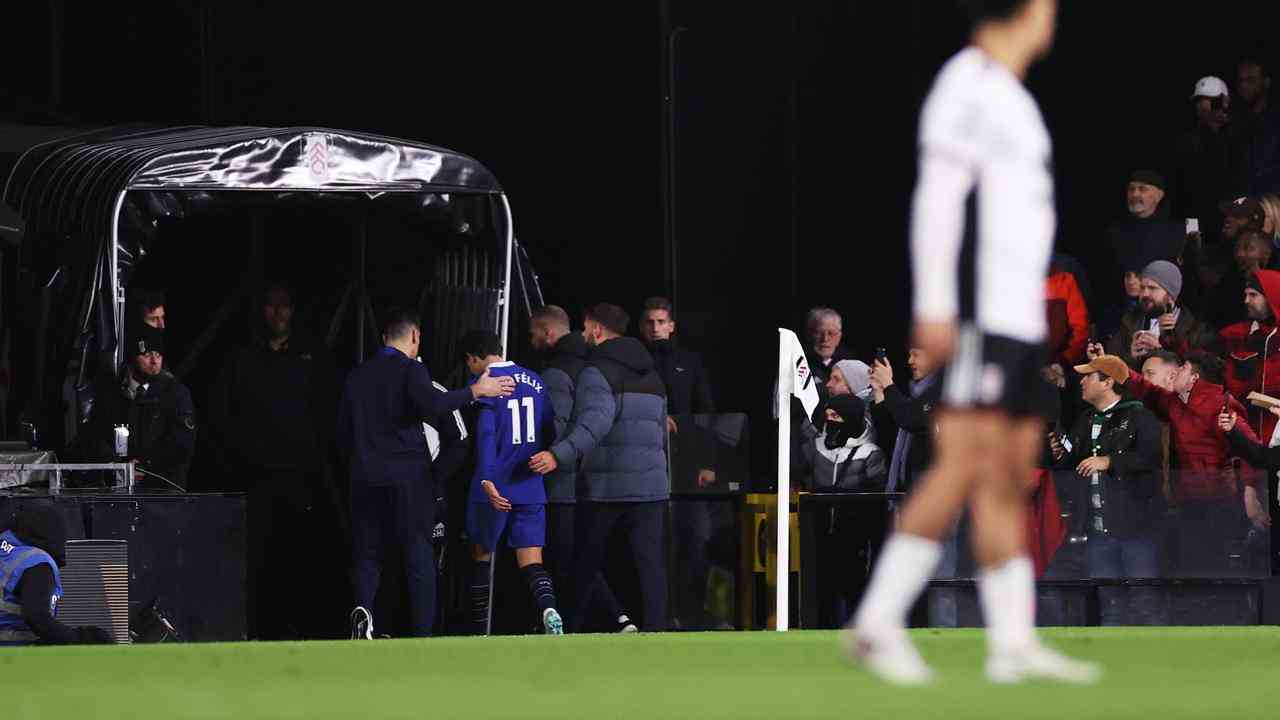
(565, 355)
(619, 433)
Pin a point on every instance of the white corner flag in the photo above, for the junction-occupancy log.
(794, 380)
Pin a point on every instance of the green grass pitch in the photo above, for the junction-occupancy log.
(1153, 674)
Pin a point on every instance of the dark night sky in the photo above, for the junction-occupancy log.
(794, 149)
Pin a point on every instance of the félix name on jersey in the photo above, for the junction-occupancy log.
(524, 378)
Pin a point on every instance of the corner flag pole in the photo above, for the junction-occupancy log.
(782, 564)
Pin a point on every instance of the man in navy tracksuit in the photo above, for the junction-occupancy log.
(619, 433)
(384, 404)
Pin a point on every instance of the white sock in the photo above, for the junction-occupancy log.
(901, 574)
(1008, 600)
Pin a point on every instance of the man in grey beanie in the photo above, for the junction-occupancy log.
(1158, 322)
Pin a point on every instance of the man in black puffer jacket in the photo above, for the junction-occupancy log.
(1147, 234)
(619, 433)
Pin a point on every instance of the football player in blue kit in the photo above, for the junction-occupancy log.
(507, 498)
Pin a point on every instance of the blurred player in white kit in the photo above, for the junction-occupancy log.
(985, 180)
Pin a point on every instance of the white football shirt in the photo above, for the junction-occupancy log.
(985, 169)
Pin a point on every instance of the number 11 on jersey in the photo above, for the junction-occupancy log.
(514, 406)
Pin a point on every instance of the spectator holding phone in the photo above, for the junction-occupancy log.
(1159, 322)
(912, 413)
(1257, 454)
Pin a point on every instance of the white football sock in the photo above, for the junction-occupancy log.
(1008, 598)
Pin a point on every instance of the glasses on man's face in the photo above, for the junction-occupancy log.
(1217, 103)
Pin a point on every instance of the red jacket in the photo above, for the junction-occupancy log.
(1068, 318)
(1202, 449)
(1252, 354)
(1045, 529)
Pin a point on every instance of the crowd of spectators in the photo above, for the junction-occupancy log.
(1161, 336)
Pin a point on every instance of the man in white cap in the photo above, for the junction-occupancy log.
(1159, 322)
(1212, 101)
(1202, 165)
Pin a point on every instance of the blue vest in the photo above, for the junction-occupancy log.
(16, 558)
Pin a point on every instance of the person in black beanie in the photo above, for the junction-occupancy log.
(1146, 235)
(153, 405)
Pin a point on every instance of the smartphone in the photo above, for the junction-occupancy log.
(881, 354)
(1226, 401)
(1193, 225)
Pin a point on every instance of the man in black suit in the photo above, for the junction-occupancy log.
(384, 404)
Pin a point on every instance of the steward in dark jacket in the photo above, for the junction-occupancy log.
(153, 404)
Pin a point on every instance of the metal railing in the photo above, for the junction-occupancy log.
(55, 483)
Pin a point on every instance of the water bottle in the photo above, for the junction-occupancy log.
(122, 441)
(32, 434)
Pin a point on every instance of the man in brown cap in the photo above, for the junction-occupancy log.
(1116, 449)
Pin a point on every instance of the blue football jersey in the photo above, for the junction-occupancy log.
(510, 430)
